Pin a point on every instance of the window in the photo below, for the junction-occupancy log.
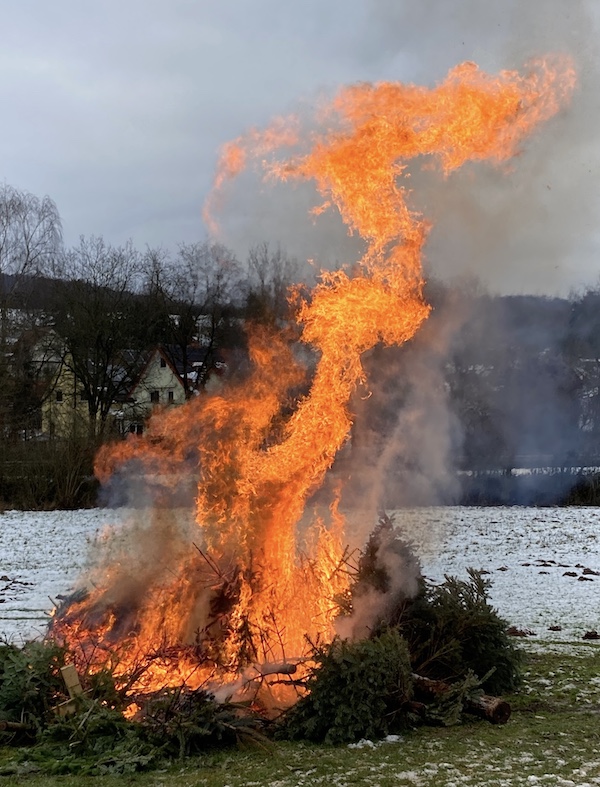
(171, 397)
(155, 397)
(83, 397)
(136, 429)
(59, 396)
(163, 363)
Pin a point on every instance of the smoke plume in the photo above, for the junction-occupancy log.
(527, 228)
(531, 229)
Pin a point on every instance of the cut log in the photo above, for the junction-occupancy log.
(284, 668)
(15, 726)
(493, 709)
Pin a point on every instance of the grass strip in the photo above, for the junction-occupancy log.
(552, 738)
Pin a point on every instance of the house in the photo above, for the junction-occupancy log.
(127, 401)
(194, 364)
(158, 384)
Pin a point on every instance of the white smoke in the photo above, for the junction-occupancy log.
(375, 602)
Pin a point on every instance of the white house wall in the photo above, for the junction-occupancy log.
(152, 391)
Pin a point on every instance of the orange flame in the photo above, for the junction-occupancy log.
(234, 156)
(254, 589)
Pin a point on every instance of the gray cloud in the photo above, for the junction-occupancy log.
(117, 111)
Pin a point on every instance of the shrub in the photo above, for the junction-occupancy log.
(30, 682)
(357, 690)
(452, 629)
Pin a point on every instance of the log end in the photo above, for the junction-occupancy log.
(501, 713)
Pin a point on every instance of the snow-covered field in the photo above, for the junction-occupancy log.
(544, 563)
(528, 553)
(41, 555)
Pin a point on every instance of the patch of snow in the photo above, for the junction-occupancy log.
(524, 541)
(42, 555)
(363, 743)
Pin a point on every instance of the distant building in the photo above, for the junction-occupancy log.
(158, 384)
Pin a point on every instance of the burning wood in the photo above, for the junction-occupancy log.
(256, 590)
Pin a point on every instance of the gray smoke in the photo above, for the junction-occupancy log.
(405, 432)
(526, 228)
(531, 229)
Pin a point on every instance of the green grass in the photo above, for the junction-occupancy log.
(553, 738)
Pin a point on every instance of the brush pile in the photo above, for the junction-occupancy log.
(431, 654)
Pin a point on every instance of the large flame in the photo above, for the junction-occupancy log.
(254, 585)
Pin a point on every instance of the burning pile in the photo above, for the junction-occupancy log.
(255, 585)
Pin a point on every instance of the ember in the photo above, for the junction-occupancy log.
(247, 587)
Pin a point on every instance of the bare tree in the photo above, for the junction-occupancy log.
(102, 323)
(30, 239)
(270, 275)
(194, 294)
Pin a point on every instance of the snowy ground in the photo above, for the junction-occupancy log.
(41, 555)
(528, 553)
(544, 563)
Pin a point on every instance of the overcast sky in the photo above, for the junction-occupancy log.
(117, 110)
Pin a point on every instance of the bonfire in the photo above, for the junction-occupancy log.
(242, 592)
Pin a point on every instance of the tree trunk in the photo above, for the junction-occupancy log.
(494, 709)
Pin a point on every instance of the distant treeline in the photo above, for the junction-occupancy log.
(495, 401)
(491, 386)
